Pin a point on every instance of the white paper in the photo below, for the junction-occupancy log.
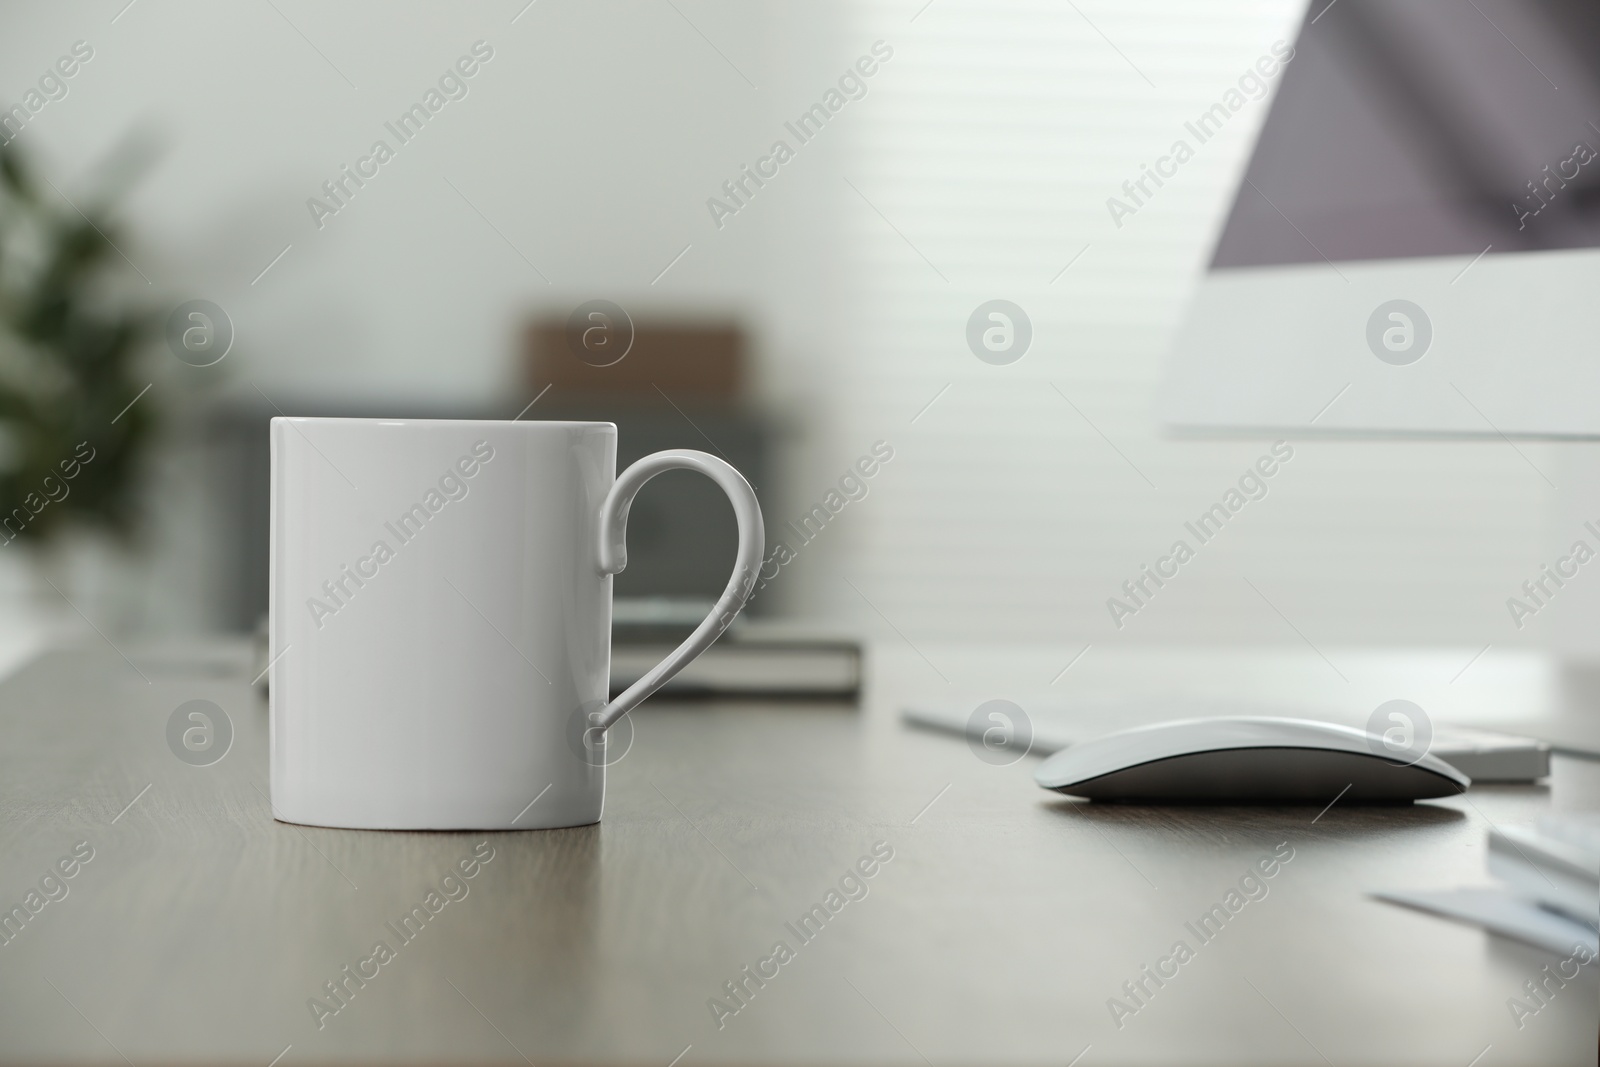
(1502, 913)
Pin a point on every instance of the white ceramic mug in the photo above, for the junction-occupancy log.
(441, 618)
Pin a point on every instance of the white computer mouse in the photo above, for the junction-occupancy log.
(1244, 760)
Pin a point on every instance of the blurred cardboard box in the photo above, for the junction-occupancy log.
(701, 363)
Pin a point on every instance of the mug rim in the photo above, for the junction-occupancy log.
(373, 422)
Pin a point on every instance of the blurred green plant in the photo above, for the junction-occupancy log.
(69, 443)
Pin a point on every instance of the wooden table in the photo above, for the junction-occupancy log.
(1004, 922)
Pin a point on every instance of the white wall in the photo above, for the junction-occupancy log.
(590, 140)
(989, 144)
(992, 148)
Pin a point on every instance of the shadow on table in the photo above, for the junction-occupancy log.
(1350, 820)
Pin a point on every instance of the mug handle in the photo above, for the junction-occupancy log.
(613, 557)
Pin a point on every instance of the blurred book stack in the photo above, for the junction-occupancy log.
(1549, 891)
(672, 384)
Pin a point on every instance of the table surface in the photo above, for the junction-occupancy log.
(1005, 921)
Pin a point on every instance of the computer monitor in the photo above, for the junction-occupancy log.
(1414, 246)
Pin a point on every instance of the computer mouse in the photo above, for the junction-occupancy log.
(1245, 760)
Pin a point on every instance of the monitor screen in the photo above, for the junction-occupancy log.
(1407, 128)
